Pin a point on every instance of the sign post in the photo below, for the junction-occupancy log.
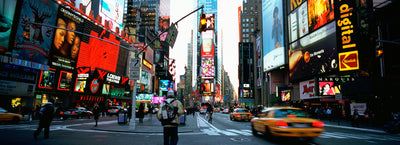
(134, 75)
(172, 34)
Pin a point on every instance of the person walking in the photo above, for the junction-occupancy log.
(355, 120)
(96, 111)
(46, 115)
(140, 114)
(129, 112)
(170, 127)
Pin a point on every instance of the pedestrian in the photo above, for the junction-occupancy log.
(150, 112)
(355, 118)
(140, 114)
(46, 115)
(369, 116)
(96, 111)
(170, 128)
(329, 113)
(129, 112)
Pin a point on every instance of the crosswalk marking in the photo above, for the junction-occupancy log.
(239, 132)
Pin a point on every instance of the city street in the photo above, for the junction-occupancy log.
(222, 131)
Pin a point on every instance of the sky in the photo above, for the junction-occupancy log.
(228, 40)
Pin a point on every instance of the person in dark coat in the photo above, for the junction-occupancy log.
(96, 111)
(140, 114)
(46, 115)
(129, 112)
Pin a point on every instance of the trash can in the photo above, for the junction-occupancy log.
(122, 117)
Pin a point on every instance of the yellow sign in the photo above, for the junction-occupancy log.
(348, 61)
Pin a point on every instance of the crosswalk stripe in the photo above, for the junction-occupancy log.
(239, 132)
(346, 135)
(228, 133)
(210, 131)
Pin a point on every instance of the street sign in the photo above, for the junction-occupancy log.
(171, 36)
(134, 69)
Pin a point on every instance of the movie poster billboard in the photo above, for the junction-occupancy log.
(207, 48)
(33, 41)
(47, 79)
(98, 53)
(65, 81)
(6, 21)
(312, 49)
(66, 43)
(207, 67)
(307, 89)
(273, 40)
(82, 77)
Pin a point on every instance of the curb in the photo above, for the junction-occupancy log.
(133, 131)
(355, 128)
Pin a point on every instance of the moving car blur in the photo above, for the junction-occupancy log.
(286, 122)
(6, 116)
(240, 114)
(77, 112)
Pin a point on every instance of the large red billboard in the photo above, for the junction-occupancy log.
(98, 53)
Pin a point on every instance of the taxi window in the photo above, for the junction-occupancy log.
(242, 111)
(282, 113)
(264, 114)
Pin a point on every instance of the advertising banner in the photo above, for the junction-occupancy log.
(65, 81)
(313, 49)
(273, 40)
(207, 87)
(210, 21)
(7, 16)
(307, 90)
(66, 43)
(207, 48)
(207, 67)
(258, 61)
(32, 41)
(330, 86)
(13, 88)
(47, 79)
(361, 107)
(97, 53)
(164, 85)
(83, 74)
(144, 97)
(113, 12)
(158, 100)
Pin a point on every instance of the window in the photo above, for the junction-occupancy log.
(252, 19)
(252, 30)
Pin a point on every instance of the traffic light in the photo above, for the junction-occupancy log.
(203, 23)
(379, 51)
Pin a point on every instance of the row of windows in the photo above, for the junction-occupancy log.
(247, 30)
(247, 19)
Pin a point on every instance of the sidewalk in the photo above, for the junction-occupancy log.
(346, 124)
(149, 125)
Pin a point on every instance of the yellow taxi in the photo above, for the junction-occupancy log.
(10, 117)
(240, 114)
(286, 122)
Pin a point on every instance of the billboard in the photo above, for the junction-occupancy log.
(210, 21)
(32, 42)
(144, 97)
(207, 48)
(312, 39)
(307, 89)
(83, 74)
(64, 81)
(97, 53)
(207, 87)
(113, 12)
(207, 67)
(87, 5)
(66, 43)
(158, 100)
(47, 79)
(273, 31)
(6, 20)
(330, 86)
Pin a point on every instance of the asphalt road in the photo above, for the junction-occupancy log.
(221, 131)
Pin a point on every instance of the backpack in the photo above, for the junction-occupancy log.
(168, 112)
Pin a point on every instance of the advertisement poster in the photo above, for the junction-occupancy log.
(81, 79)
(207, 48)
(207, 87)
(47, 79)
(307, 89)
(65, 81)
(6, 20)
(207, 67)
(273, 40)
(320, 12)
(361, 107)
(164, 85)
(33, 42)
(158, 100)
(144, 97)
(113, 12)
(87, 5)
(66, 43)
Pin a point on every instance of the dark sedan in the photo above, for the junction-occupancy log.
(77, 112)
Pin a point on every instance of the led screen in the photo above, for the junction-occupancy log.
(81, 79)
(98, 53)
(273, 32)
(210, 21)
(106, 89)
(6, 20)
(144, 97)
(207, 99)
(163, 23)
(313, 48)
(207, 87)
(207, 67)
(328, 88)
(47, 79)
(164, 85)
(66, 43)
(158, 100)
(207, 48)
(112, 11)
(32, 42)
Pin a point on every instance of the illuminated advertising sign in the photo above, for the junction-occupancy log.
(207, 99)
(210, 21)
(207, 87)
(98, 53)
(207, 67)
(348, 61)
(158, 100)
(7, 22)
(66, 44)
(307, 89)
(329, 86)
(164, 85)
(106, 89)
(207, 48)
(144, 97)
(82, 76)
(65, 81)
(208, 34)
(147, 64)
(163, 24)
(33, 42)
(47, 79)
(113, 12)
(273, 40)
(285, 95)
(87, 5)
(258, 61)
(312, 37)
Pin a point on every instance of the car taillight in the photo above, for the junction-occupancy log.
(61, 112)
(116, 110)
(318, 124)
(73, 112)
(250, 114)
(281, 124)
(108, 110)
(237, 114)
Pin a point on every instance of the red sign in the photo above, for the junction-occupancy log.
(348, 61)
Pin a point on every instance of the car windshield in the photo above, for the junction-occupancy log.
(242, 111)
(281, 113)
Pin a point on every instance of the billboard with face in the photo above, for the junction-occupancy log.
(273, 31)
(32, 41)
(66, 43)
(312, 39)
(6, 20)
